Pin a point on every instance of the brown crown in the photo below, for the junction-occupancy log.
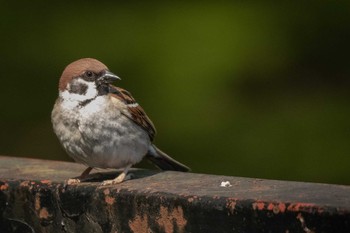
(77, 68)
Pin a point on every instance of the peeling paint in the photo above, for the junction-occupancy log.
(139, 224)
(231, 205)
(44, 214)
(24, 183)
(170, 219)
(4, 187)
(106, 191)
(270, 206)
(282, 207)
(258, 205)
(109, 200)
(150, 204)
(296, 207)
(37, 204)
(42, 211)
(49, 182)
(191, 199)
(276, 208)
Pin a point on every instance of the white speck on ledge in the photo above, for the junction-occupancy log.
(225, 184)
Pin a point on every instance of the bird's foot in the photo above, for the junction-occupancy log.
(79, 179)
(122, 177)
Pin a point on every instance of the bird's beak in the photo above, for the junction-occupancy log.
(108, 77)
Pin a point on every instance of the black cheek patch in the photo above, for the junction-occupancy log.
(78, 88)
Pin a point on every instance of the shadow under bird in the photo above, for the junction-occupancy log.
(101, 125)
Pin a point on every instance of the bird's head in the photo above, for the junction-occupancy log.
(85, 79)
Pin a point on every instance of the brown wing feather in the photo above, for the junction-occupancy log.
(137, 113)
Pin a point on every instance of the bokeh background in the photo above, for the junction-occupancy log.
(245, 88)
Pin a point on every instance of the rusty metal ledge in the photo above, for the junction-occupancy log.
(33, 198)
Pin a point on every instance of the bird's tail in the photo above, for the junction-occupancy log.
(164, 161)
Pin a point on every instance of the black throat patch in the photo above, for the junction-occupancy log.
(85, 102)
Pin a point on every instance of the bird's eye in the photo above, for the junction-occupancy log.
(89, 74)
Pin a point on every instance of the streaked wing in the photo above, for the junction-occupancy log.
(137, 114)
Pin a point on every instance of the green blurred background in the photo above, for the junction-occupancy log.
(242, 88)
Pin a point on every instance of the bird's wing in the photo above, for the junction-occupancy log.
(135, 111)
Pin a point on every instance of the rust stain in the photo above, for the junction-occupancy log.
(106, 191)
(231, 205)
(46, 182)
(190, 199)
(169, 219)
(179, 217)
(44, 214)
(270, 206)
(109, 200)
(277, 208)
(24, 183)
(37, 202)
(299, 206)
(282, 207)
(4, 187)
(258, 205)
(139, 224)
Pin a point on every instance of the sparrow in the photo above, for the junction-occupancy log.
(101, 125)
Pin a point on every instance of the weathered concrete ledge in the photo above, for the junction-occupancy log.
(33, 198)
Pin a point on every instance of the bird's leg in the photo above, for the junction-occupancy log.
(83, 175)
(122, 177)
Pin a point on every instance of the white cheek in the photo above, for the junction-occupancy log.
(91, 91)
(71, 100)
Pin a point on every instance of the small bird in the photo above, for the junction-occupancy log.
(101, 125)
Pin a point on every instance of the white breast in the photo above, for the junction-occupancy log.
(101, 136)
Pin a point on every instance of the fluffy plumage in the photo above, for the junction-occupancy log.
(101, 125)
